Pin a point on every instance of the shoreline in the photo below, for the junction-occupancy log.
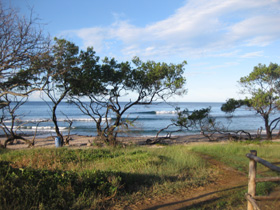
(81, 141)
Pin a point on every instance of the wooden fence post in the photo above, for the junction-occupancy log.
(252, 179)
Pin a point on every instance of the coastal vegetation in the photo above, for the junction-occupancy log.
(193, 120)
(117, 175)
(81, 179)
(262, 86)
(22, 41)
(107, 84)
(62, 72)
(101, 178)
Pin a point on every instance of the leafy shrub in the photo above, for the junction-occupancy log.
(26, 188)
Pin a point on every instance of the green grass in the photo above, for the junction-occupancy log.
(67, 178)
(233, 154)
(87, 178)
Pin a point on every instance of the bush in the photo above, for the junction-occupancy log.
(26, 188)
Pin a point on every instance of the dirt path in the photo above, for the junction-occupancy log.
(228, 180)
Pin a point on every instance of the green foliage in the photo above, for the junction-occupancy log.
(194, 119)
(263, 75)
(28, 188)
(106, 83)
(197, 120)
(65, 56)
(231, 105)
(198, 115)
(87, 178)
(263, 86)
(233, 154)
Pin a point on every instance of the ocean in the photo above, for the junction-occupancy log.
(150, 118)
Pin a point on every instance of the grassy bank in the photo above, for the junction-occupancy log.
(90, 178)
(99, 178)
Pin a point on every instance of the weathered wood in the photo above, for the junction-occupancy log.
(155, 140)
(251, 195)
(252, 179)
(264, 162)
(261, 198)
(268, 179)
(15, 137)
(252, 202)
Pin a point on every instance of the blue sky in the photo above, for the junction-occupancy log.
(222, 40)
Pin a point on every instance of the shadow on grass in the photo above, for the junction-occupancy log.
(134, 182)
(196, 199)
(59, 189)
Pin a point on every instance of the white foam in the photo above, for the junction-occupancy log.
(166, 112)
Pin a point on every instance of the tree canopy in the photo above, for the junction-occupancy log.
(21, 41)
(263, 87)
(105, 84)
(30, 62)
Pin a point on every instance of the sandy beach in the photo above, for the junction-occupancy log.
(78, 141)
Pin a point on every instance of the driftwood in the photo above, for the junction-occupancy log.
(15, 137)
(155, 140)
(31, 143)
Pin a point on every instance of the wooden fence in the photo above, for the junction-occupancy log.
(251, 195)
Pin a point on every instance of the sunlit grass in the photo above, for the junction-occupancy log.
(131, 171)
(234, 154)
(89, 178)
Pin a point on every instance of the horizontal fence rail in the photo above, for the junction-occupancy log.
(263, 162)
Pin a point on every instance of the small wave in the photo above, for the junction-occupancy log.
(166, 112)
(85, 119)
(58, 120)
(40, 128)
(28, 120)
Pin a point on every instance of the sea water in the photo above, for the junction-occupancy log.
(149, 118)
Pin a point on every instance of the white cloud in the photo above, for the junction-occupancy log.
(199, 28)
(257, 31)
(252, 54)
(226, 54)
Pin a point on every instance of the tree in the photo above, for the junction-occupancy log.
(263, 86)
(196, 120)
(185, 121)
(21, 41)
(107, 83)
(10, 121)
(61, 66)
(201, 120)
